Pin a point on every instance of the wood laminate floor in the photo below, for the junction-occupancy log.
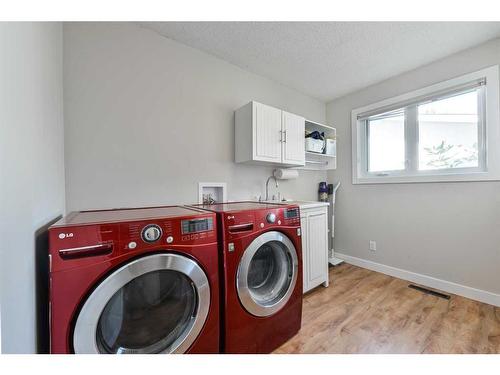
(368, 312)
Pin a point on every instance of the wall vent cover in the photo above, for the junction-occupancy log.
(428, 291)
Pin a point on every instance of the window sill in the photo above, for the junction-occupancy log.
(451, 177)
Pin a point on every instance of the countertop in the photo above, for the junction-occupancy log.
(304, 204)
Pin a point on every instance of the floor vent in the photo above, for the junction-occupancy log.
(428, 291)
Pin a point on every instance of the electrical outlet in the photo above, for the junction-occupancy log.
(373, 246)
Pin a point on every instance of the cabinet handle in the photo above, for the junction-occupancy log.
(281, 136)
(285, 136)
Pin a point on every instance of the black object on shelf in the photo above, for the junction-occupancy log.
(316, 135)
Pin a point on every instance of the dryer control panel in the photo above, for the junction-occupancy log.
(77, 245)
(186, 231)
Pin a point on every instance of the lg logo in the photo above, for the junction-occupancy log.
(62, 236)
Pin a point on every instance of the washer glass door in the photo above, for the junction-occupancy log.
(155, 304)
(267, 274)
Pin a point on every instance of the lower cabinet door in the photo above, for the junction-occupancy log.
(317, 233)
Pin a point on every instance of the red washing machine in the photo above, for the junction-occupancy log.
(135, 281)
(261, 259)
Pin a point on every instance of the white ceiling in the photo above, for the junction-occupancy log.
(328, 59)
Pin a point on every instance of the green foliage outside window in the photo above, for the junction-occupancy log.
(451, 156)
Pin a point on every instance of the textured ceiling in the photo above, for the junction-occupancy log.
(328, 59)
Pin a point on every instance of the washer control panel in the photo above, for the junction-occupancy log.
(151, 233)
(237, 224)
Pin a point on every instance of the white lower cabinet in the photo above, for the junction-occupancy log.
(314, 223)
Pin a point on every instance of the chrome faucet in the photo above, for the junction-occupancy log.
(267, 186)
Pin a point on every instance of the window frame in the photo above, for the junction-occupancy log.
(488, 132)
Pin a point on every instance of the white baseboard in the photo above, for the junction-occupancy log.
(428, 281)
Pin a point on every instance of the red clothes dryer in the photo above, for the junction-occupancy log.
(134, 281)
(261, 275)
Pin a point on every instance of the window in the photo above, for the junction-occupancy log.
(449, 131)
(386, 132)
(434, 134)
(446, 130)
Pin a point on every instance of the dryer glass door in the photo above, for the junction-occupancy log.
(267, 274)
(156, 304)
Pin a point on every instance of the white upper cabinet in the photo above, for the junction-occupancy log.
(265, 134)
(293, 139)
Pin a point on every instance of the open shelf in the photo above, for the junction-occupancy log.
(316, 161)
(313, 125)
(319, 162)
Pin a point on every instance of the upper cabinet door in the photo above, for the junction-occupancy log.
(293, 139)
(267, 133)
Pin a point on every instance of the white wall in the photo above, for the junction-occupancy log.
(446, 230)
(31, 169)
(147, 118)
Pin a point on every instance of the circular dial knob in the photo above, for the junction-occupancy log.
(271, 218)
(151, 233)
